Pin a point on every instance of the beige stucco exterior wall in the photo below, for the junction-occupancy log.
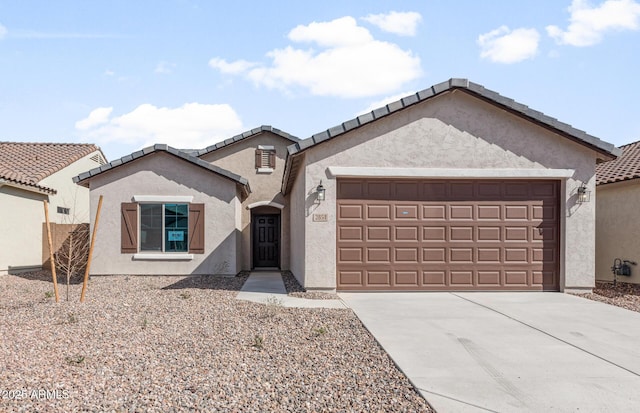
(300, 211)
(454, 130)
(617, 228)
(22, 215)
(162, 174)
(239, 158)
(70, 195)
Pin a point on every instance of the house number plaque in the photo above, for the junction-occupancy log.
(320, 218)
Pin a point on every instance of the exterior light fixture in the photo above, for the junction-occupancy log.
(584, 195)
(320, 191)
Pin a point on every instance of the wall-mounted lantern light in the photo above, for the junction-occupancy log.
(584, 195)
(320, 191)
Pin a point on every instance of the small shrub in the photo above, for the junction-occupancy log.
(72, 318)
(48, 294)
(185, 295)
(258, 342)
(145, 323)
(273, 305)
(75, 360)
(320, 331)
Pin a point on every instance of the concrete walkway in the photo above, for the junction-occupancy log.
(262, 287)
(509, 352)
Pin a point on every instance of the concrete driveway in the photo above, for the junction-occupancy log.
(509, 352)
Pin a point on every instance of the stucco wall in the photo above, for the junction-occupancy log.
(239, 158)
(163, 174)
(299, 213)
(70, 195)
(617, 228)
(22, 215)
(454, 130)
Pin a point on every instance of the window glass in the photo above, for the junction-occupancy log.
(176, 227)
(150, 227)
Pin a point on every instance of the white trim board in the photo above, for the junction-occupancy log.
(498, 173)
(163, 198)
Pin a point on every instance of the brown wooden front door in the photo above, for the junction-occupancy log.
(266, 241)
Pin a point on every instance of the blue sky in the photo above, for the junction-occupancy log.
(126, 74)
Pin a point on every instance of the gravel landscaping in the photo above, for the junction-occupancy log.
(623, 295)
(294, 289)
(173, 344)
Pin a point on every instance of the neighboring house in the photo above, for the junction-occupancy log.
(29, 174)
(453, 188)
(618, 215)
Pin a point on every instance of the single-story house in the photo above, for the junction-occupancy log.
(29, 174)
(618, 217)
(452, 188)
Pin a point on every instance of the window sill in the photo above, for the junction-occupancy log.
(265, 170)
(162, 257)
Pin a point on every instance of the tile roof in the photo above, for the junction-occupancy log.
(83, 178)
(625, 168)
(246, 135)
(607, 149)
(27, 163)
(472, 88)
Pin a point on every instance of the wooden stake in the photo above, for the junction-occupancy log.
(93, 240)
(53, 262)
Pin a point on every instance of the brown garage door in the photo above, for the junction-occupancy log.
(447, 235)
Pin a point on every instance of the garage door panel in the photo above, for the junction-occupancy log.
(406, 278)
(489, 234)
(434, 278)
(377, 233)
(350, 211)
(406, 211)
(490, 278)
(434, 234)
(347, 233)
(448, 235)
(461, 278)
(378, 212)
(406, 255)
(434, 255)
(460, 233)
(379, 278)
(378, 255)
(407, 233)
(489, 212)
(434, 212)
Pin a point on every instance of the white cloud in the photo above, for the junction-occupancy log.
(400, 23)
(383, 102)
(164, 68)
(97, 117)
(109, 72)
(232, 68)
(588, 24)
(503, 45)
(3, 32)
(349, 62)
(192, 125)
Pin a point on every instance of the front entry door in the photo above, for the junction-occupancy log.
(266, 240)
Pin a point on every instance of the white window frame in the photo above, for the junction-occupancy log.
(160, 256)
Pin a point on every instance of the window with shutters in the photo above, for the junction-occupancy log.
(162, 228)
(265, 158)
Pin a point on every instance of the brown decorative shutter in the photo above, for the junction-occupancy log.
(129, 228)
(196, 228)
(272, 159)
(258, 158)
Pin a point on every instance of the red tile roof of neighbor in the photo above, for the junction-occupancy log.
(624, 168)
(28, 163)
